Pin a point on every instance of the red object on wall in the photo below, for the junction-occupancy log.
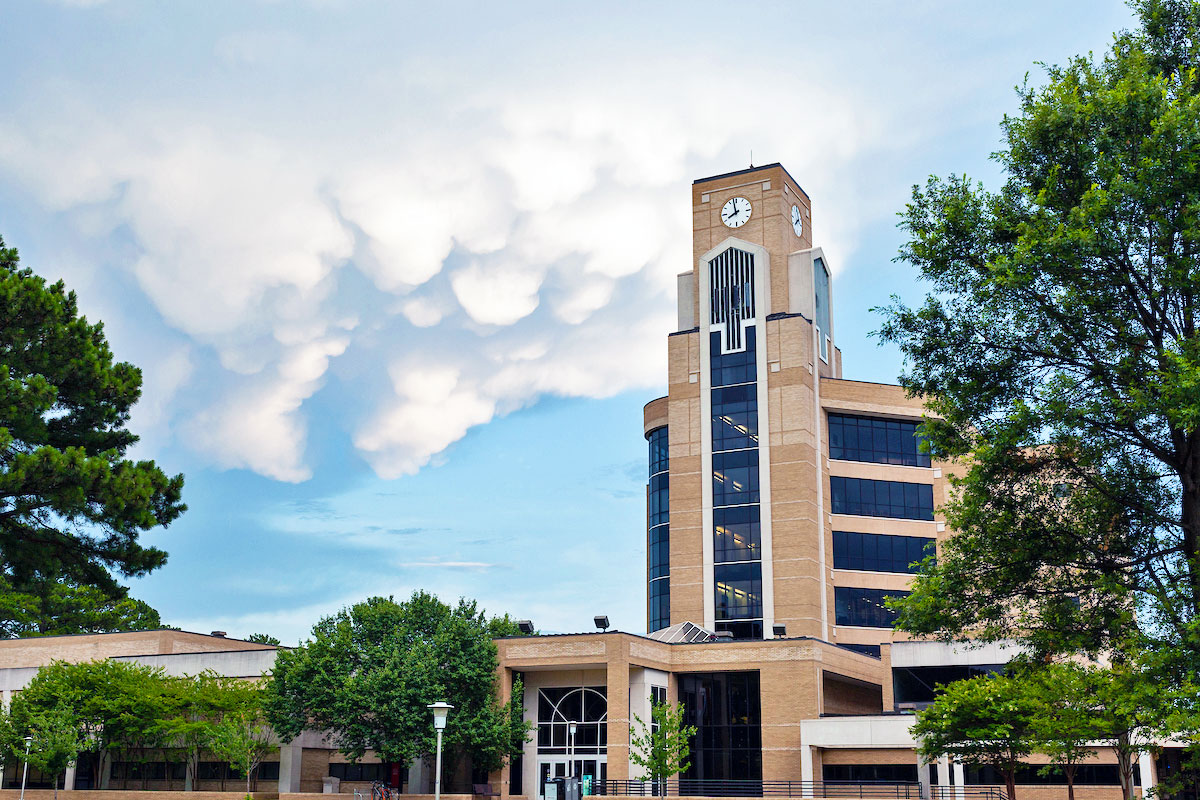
(395, 776)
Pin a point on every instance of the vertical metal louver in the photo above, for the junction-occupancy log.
(731, 296)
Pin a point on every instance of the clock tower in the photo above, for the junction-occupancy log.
(736, 536)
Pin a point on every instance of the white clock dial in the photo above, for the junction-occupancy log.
(797, 221)
(736, 212)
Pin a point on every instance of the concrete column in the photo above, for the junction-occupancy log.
(925, 778)
(418, 778)
(69, 778)
(943, 771)
(960, 780)
(1146, 768)
(290, 757)
(806, 768)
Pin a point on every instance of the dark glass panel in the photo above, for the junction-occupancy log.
(864, 607)
(871, 498)
(735, 478)
(878, 441)
(659, 460)
(734, 417)
(738, 590)
(732, 368)
(736, 534)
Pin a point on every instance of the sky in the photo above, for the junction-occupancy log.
(399, 276)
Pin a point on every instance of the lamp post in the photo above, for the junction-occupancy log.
(25, 773)
(440, 711)
(571, 749)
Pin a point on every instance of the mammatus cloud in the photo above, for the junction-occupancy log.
(527, 249)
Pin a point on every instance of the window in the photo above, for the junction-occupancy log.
(356, 772)
(587, 706)
(268, 771)
(738, 590)
(872, 650)
(741, 629)
(821, 310)
(659, 604)
(736, 534)
(878, 441)
(659, 459)
(735, 478)
(864, 607)
(725, 708)
(1027, 774)
(869, 773)
(871, 498)
(732, 368)
(658, 535)
(735, 417)
(877, 552)
(916, 685)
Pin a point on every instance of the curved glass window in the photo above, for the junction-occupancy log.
(869, 498)
(587, 706)
(658, 533)
(660, 604)
(878, 441)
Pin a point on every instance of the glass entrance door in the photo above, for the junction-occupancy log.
(589, 766)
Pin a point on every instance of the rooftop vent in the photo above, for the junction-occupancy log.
(218, 634)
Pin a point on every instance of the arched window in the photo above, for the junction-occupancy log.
(586, 706)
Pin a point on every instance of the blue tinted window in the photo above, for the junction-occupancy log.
(871, 498)
(659, 604)
(735, 478)
(879, 552)
(821, 309)
(738, 590)
(864, 607)
(879, 441)
(735, 417)
(658, 450)
(660, 499)
(731, 368)
(659, 552)
(736, 534)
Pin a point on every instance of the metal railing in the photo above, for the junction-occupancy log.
(968, 793)
(687, 787)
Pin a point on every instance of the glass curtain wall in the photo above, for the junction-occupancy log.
(737, 549)
(658, 545)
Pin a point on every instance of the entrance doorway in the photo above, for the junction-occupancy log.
(553, 767)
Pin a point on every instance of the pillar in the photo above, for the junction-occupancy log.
(618, 706)
(943, 771)
(925, 778)
(69, 777)
(960, 779)
(806, 769)
(290, 757)
(1148, 773)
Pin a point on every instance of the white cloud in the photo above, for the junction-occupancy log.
(555, 219)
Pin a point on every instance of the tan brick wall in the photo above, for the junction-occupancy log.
(841, 697)
(39, 651)
(683, 436)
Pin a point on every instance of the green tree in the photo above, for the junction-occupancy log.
(241, 736)
(262, 638)
(1065, 721)
(663, 746)
(71, 505)
(983, 721)
(57, 608)
(115, 705)
(370, 670)
(1059, 352)
(194, 705)
(1131, 711)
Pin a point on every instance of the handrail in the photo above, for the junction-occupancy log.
(695, 787)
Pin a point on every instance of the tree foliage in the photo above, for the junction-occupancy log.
(663, 746)
(57, 608)
(983, 721)
(263, 638)
(370, 670)
(241, 735)
(71, 505)
(1059, 354)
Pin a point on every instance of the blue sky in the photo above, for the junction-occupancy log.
(399, 276)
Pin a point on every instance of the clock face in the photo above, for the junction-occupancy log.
(736, 212)
(797, 221)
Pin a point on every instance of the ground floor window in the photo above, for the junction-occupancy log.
(725, 707)
(870, 773)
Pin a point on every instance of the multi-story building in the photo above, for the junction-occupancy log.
(784, 504)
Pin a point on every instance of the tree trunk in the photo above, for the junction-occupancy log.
(1125, 766)
(1010, 783)
(1069, 771)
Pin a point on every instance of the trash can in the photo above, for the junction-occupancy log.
(554, 789)
(570, 789)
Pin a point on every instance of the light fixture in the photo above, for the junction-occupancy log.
(525, 626)
(779, 630)
(601, 621)
(571, 747)
(440, 711)
(25, 773)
